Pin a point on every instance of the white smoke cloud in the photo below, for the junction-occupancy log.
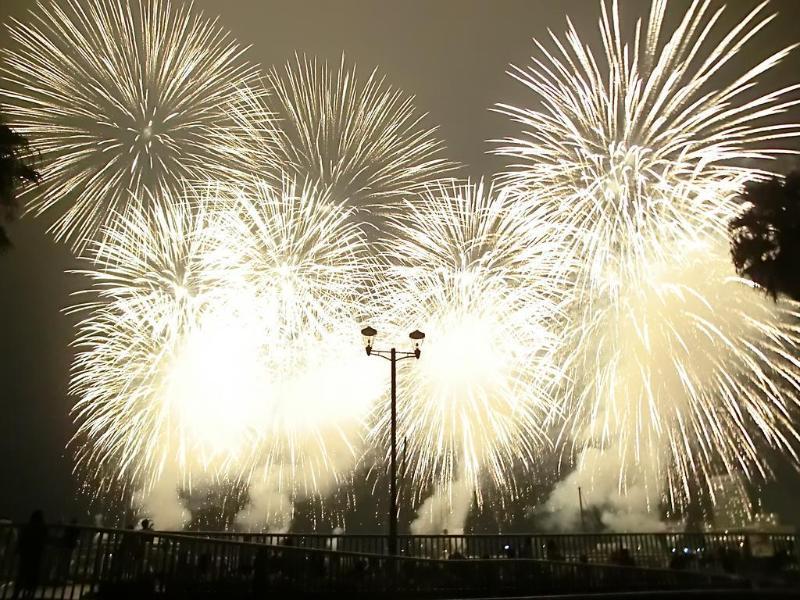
(273, 492)
(163, 505)
(269, 509)
(447, 508)
(627, 496)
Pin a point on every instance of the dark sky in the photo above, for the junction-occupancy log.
(451, 54)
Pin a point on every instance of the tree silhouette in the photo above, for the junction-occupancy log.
(16, 169)
(765, 237)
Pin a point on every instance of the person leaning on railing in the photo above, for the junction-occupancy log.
(30, 547)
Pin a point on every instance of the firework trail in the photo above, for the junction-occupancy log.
(684, 372)
(362, 138)
(474, 271)
(120, 99)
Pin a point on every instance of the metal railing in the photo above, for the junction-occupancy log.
(724, 551)
(90, 562)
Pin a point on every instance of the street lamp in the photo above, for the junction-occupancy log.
(392, 356)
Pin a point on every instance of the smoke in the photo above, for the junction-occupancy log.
(446, 509)
(269, 509)
(625, 496)
(315, 434)
(666, 388)
(652, 361)
(628, 503)
(274, 493)
(163, 505)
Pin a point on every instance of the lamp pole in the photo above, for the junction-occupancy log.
(393, 459)
(393, 356)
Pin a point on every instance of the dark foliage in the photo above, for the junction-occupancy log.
(16, 170)
(765, 237)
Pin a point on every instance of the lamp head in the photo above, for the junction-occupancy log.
(368, 333)
(417, 337)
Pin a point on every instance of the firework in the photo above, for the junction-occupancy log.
(362, 138)
(477, 274)
(684, 371)
(306, 258)
(214, 347)
(307, 265)
(168, 372)
(120, 99)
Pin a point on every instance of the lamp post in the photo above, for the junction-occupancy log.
(392, 356)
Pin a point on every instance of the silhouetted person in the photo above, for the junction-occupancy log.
(681, 560)
(361, 568)
(780, 561)
(624, 558)
(66, 547)
(527, 549)
(123, 560)
(204, 565)
(553, 553)
(144, 548)
(8, 544)
(261, 573)
(32, 540)
(747, 550)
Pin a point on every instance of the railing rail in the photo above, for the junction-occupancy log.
(89, 562)
(724, 551)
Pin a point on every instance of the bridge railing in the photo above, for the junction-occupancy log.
(705, 550)
(90, 562)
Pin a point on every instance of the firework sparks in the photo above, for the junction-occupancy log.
(306, 258)
(685, 371)
(475, 273)
(306, 262)
(363, 139)
(119, 100)
(168, 370)
(214, 348)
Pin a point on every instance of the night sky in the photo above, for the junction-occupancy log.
(452, 55)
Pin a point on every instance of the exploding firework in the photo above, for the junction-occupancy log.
(684, 371)
(306, 262)
(474, 271)
(362, 138)
(168, 371)
(120, 99)
(306, 258)
(214, 348)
